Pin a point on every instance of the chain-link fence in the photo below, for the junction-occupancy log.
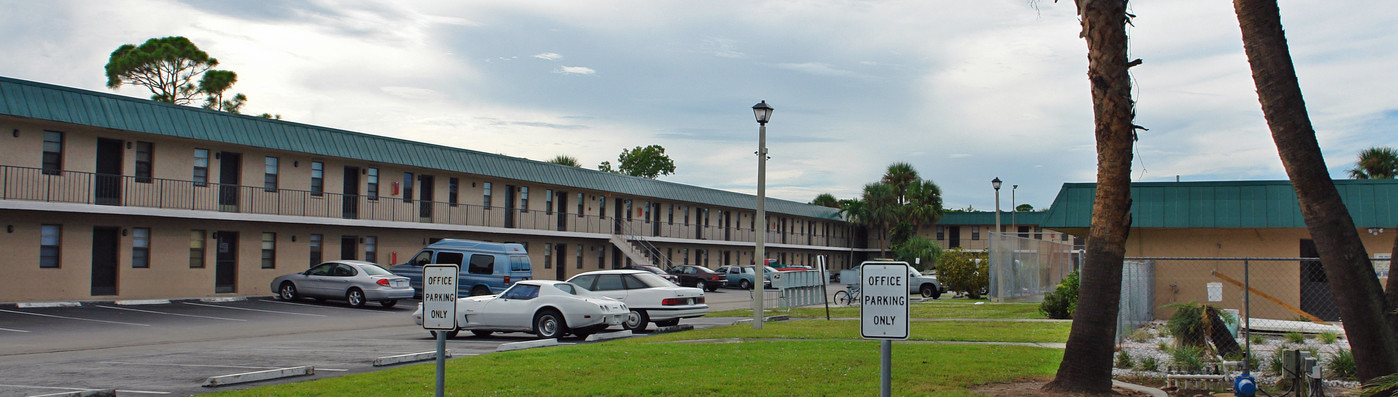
(1137, 307)
(1023, 269)
(1276, 295)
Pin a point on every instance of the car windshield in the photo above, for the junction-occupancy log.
(568, 288)
(375, 270)
(653, 281)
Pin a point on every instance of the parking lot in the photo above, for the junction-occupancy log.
(171, 348)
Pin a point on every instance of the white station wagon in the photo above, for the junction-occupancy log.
(649, 297)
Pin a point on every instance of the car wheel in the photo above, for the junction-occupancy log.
(549, 324)
(287, 292)
(636, 321)
(388, 303)
(927, 290)
(482, 333)
(668, 323)
(355, 297)
(450, 334)
(480, 290)
(744, 284)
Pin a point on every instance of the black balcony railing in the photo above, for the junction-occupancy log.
(33, 184)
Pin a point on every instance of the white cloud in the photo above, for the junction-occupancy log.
(549, 56)
(583, 70)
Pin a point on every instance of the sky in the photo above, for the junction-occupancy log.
(964, 91)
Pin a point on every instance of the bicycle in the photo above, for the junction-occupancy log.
(849, 296)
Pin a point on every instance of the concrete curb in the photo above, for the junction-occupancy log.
(224, 299)
(246, 377)
(37, 305)
(609, 336)
(83, 393)
(138, 302)
(408, 358)
(526, 345)
(674, 328)
(1148, 390)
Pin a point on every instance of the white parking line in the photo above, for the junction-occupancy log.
(171, 314)
(12, 330)
(256, 310)
(74, 318)
(306, 305)
(211, 366)
(81, 389)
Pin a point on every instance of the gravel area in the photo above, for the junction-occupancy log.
(1146, 343)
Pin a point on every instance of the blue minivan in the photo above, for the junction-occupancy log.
(486, 268)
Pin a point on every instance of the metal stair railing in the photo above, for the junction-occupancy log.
(649, 250)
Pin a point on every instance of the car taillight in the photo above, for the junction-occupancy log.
(382, 281)
(699, 300)
(672, 302)
(715, 278)
(507, 280)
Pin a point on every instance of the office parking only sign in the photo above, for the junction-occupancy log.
(883, 308)
(439, 297)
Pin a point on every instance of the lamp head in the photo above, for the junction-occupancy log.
(995, 183)
(763, 112)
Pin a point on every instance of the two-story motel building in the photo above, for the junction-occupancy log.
(110, 197)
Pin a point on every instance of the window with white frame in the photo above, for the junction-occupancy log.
(485, 198)
(201, 167)
(523, 199)
(373, 190)
(196, 249)
(53, 152)
(140, 247)
(50, 245)
(548, 255)
(269, 250)
(317, 178)
(371, 249)
(145, 160)
(269, 179)
(317, 253)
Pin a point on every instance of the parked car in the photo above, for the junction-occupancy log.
(699, 277)
(772, 263)
(656, 271)
(927, 285)
(648, 297)
(486, 268)
(547, 308)
(355, 281)
(744, 276)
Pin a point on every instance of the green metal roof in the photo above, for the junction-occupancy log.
(1225, 204)
(27, 99)
(988, 218)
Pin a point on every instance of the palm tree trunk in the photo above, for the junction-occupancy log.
(1087, 358)
(1357, 292)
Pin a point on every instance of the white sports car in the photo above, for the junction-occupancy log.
(649, 297)
(548, 308)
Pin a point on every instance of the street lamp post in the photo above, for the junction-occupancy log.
(764, 114)
(994, 277)
(1013, 210)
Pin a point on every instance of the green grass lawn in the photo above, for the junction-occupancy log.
(807, 357)
(938, 309)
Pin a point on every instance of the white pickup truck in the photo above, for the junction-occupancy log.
(926, 285)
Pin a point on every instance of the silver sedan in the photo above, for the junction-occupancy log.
(355, 281)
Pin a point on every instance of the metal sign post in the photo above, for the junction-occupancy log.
(883, 312)
(439, 311)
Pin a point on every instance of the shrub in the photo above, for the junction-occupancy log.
(1062, 301)
(1258, 339)
(916, 247)
(1123, 359)
(1328, 337)
(1186, 358)
(1295, 337)
(964, 271)
(1189, 325)
(1341, 365)
(1140, 335)
(1379, 385)
(1274, 362)
(1149, 364)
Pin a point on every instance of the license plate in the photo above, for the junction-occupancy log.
(400, 283)
(613, 320)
